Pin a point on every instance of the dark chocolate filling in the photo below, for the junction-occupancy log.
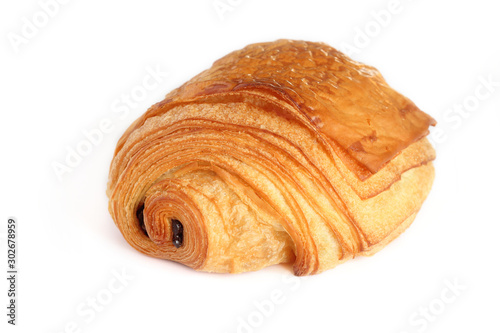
(177, 233)
(140, 216)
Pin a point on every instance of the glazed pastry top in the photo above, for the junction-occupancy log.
(348, 102)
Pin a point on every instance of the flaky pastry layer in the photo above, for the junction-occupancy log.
(283, 152)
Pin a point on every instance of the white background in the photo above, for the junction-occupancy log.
(65, 79)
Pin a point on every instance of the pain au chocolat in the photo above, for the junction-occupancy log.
(281, 152)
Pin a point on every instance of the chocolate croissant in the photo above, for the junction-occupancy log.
(281, 152)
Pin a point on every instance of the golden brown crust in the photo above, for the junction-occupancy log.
(281, 152)
(345, 100)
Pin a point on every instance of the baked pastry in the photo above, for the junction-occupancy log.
(281, 152)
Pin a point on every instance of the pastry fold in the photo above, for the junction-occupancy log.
(281, 152)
